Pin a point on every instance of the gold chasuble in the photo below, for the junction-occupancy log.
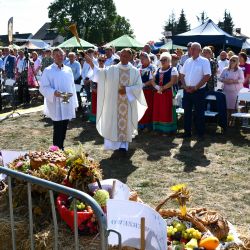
(122, 114)
(118, 115)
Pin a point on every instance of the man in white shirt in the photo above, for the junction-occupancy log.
(186, 55)
(110, 57)
(56, 79)
(195, 72)
(22, 78)
(152, 56)
(87, 73)
(223, 62)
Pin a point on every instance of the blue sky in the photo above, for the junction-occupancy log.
(146, 17)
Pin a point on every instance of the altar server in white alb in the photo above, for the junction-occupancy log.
(56, 79)
(120, 102)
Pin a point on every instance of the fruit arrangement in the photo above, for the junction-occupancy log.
(87, 223)
(181, 235)
(85, 216)
(197, 228)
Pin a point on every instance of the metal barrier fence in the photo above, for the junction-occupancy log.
(51, 186)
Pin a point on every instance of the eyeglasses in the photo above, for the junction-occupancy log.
(164, 60)
(233, 61)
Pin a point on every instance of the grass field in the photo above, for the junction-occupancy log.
(217, 169)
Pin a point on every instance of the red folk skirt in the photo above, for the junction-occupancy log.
(164, 115)
(92, 115)
(146, 120)
(93, 102)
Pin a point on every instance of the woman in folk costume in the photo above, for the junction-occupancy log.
(147, 70)
(92, 115)
(34, 70)
(120, 102)
(164, 113)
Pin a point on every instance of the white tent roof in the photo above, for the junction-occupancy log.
(33, 43)
(246, 44)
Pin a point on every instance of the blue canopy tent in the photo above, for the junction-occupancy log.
(208, 34)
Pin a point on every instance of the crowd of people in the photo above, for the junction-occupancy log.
(197, 72)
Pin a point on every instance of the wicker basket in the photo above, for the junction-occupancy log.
(167, 213)
(201, 218)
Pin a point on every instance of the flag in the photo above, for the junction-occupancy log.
(10, 30)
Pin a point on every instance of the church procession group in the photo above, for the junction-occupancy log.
(128, 90)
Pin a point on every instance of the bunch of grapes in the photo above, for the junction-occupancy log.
(178, 231)
(79, 205)
(175, 230)
(191, 233)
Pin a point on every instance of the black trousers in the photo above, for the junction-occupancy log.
(59, 132)
(195, 100)
(23, 92)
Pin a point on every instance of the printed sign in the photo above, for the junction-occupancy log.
(125, 218)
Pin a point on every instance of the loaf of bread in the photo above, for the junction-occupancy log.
(39, 158)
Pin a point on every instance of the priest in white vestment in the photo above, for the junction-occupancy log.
(58, 78)
(120, 102)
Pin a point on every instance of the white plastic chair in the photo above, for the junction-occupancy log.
(178, 100)
(208, 112)
(243, 96)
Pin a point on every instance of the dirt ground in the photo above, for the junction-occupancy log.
(216, 169)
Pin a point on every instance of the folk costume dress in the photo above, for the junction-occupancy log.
(164, 113)
(33, 70)
(92, 115)
(118, 115)
(146, 75)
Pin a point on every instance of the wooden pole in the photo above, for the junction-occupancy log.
(143, 243)
(113, 189)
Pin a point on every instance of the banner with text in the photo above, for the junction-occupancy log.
(125, 217)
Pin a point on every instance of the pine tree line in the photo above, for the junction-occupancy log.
(181, 25)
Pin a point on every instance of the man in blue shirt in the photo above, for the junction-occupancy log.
(76, 69)
(1, 64)
(9, 64)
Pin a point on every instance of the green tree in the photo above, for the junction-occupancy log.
(182, 25)
(227, 24)
(95, 19)
(202, 18)
(122, 27)
(171, 24)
